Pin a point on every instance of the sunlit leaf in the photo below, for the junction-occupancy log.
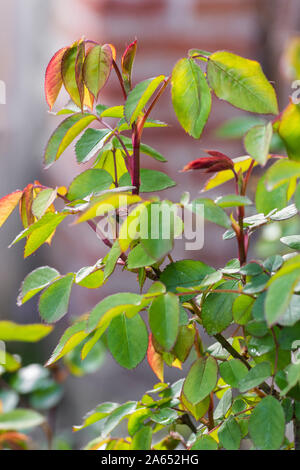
(64, 135)
(139, 96)
(190, 96)
(241, 82)
(10, 331)
(8, 204)
(53, 78)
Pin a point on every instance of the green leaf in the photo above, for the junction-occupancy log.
(20, 419)
(297, 197)
(241, 309)
(151, 180)
(35, 282)
(292, 241)
(146, 149)
(241, 82)
(205, 443)
(164, 416)
(267, 424)
(150, 123)
(201, 380)
(186, 273)
(39, 232)
(184, 342)
(97, 68)
(137, 419)
(286, 213)
(118, 415)
(255, 376)
(190, 96)
(43, 201)
(233, 371)
(164, 320)
(139, 96)
(224, 405)
(10, 331)
(212, 212)
(282, 171)
(257, 142)
(113, 112)
(109, 202)
(142, 439)
(198, 410)
(54, 301)
(73, 336)
(11, 363)
(279, 295)
(233, 200)
(230, 434)
(111, 259)
(100, 412)
(64, 135)
(113, 305)
(127, 340)
(91, 142)
(266, 201)
(288, 130)
(237, 127)
(292, 314)
(157, 228)
(89, 182)
(139, 258)
(217, 309)
(90, 277)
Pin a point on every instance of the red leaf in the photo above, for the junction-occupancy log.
(26, 205)
(217, 161)
(8, 204)
(53, 78)
(128, 58)
(155, 360)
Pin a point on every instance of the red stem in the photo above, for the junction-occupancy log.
(118, 73)
(135, 177)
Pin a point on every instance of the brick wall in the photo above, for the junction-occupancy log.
(166, 29)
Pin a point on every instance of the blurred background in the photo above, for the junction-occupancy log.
(31, 32)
